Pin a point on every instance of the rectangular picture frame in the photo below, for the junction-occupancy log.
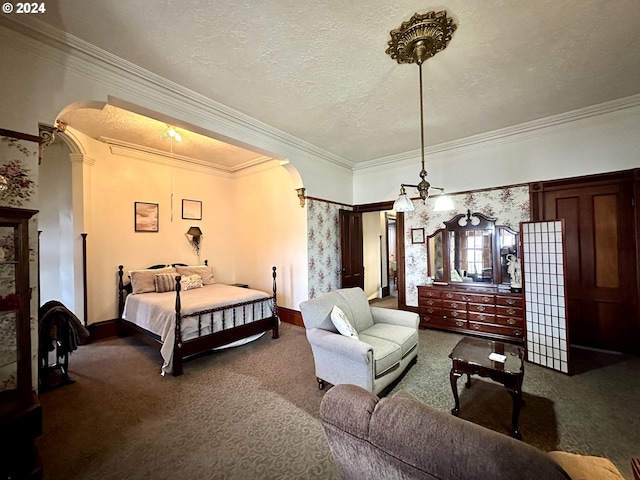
(417, 235)
(191, 209)
(146, 216)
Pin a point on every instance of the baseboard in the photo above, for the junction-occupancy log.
(288, 315)
(102, 330)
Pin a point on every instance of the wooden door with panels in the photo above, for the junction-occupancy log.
(351, 249)
(601, 263)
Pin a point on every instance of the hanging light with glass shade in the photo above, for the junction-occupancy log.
(415, 41)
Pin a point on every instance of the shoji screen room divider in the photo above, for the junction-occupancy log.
(544, 273)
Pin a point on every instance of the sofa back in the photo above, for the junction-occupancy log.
(402, 437)
(316, 313)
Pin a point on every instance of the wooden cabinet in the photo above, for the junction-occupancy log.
(20, 411)
(488, 312)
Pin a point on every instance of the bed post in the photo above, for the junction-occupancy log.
(276, 321)
(120, 290)
(177, 342)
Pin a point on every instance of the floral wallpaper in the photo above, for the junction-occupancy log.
(18, 188)
(323, 246)
(509, 205)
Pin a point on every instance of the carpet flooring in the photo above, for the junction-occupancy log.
(252, 411)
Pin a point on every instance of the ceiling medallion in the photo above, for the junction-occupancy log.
(421, 37)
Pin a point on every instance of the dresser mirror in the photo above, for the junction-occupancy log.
(471, 249)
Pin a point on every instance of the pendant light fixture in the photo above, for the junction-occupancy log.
(415, 41)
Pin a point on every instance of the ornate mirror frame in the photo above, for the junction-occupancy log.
(441, 243)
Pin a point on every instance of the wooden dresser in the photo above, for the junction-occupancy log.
(483, 311)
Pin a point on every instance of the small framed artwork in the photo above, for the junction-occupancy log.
(191, 209)
(146, 217)
(417, 235)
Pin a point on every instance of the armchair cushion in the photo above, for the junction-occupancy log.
(386, 354)
(406, 337)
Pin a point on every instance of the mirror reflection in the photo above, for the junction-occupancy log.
(435, 255)
(471, 256)
(508, 244)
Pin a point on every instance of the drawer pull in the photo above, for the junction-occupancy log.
(430, 310)
(454, 314)
(448, 295)
(481, 308)
(454, 305)
(430, 302)
(482, 317)
(511, 311)
(476, 326)
(517, 333)
(459, 323)
(511, 321)
(486, 299)
(511, 301)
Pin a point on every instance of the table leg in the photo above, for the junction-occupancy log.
(453, 377)
(516, 395)
(468, 382)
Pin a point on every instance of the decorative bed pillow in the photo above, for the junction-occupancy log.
(165, 282)
(191, 281)
(205, 272)
(342, 323)
(143, 281)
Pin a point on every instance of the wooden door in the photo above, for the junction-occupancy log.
(351, 250)
(601, 258)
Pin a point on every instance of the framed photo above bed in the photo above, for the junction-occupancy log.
(146, 217)
(191, 209)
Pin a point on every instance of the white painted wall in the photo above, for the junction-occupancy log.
(371, 232)
(270, 229)
(604, 140)
(55, 222)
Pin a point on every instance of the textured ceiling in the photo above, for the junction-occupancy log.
(318, 70)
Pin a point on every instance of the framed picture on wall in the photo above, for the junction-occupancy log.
(417, 235)
(191, 209)
(146, 217)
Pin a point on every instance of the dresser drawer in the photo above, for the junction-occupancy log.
(510, 321)
(509, 301)
(457, 296)
(428, 310)
(461, 314)
(454, 304)
(429, 292)
(509, 311)
(482, 317)
(430, 302)
(481, 307)
(497, 329)
(432, 321)
(481, 298)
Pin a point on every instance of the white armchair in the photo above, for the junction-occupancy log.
(386, 346)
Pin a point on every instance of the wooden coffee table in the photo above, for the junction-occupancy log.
(471, 357)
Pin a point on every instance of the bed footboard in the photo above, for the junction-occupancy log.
(234, 325)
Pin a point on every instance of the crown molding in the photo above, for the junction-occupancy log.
(72, 53)
(151, 154)
(82, 158)
(510, 134)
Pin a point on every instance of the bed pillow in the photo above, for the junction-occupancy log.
(191, 281)
(165, 282)
(205, 272)
(342, 323)
(143, 281)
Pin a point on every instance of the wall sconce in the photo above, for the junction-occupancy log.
(300, 192)
(196, 237)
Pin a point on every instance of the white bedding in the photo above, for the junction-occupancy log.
(155, 312)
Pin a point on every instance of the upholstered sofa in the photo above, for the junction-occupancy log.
(400, 437)
(386, 343)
